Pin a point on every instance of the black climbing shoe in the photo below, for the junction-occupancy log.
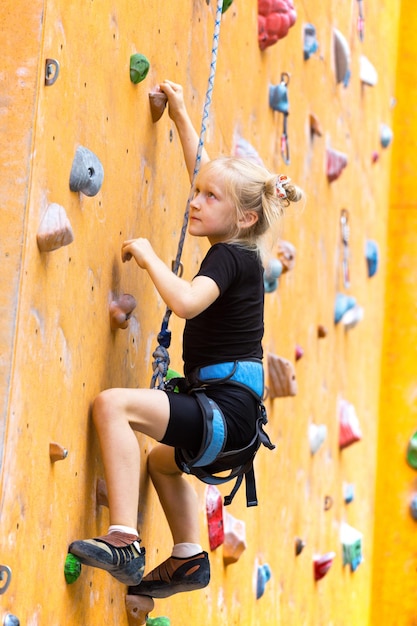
(117, 553)
(175, 575)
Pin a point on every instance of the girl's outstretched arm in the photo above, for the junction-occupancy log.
(186, 131)
(186, 299)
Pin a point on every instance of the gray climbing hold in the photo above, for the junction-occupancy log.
(11, 620)
(86, 173)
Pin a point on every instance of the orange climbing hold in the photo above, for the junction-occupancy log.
(137, 609)
(121, 310)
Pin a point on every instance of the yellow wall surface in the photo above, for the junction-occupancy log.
(395, 529)
(57, 348)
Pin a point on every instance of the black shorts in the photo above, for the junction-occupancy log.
(185, 426)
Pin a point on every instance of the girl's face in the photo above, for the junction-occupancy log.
(212, 214)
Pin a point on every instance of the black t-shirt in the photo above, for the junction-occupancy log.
(232, 327)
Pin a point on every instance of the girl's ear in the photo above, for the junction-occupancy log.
(248, 219)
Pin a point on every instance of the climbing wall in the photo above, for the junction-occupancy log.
(67, 85)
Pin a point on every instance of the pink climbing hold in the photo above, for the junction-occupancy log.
(55, 229)
(275, 18)
(214, 511)
(121, 310)
(234, 539)
(335, 163)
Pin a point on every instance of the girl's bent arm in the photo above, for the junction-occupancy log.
(185, 299)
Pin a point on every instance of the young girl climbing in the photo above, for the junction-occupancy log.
(234, 204)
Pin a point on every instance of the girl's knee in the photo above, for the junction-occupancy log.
(105, 405)
(161, 460)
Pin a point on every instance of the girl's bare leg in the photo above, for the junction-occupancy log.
(177, 496)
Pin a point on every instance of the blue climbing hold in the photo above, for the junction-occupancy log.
(264, 574)
(311, 44)
(278, 95)
(343, 304)
(272, 272)
(371, 255)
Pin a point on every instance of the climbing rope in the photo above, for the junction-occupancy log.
(161, 356)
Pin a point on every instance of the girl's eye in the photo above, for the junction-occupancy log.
(210, 194)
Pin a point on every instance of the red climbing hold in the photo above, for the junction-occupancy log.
(274, 20)
(214, 509)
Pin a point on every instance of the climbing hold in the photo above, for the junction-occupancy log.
(5, 578)
(72, 568)
(342, 57)
(315, 126)
(413, 506)
(336, 162)
(299, 546)
(311, 44)
(321, 331)
(286, 254)
(244, 150)
(226, 5)
(51, 71)
(328, 503)
(55, 229)
(299, 352)
(317, 434)
(278, 101)
(352, 317)
(343, 303)
(282, 379)
(352, 546)
(101, 493)
(348, 493)
(361, 21)
(139, 68)
(367, 72)
(349, 427)
(263, 576)
(137, 609)
(214, 511)
(278, 95)
(322, 564)
(345, 233)
(11, 620)
(386, 135)
(157, 101)
(412, 451)
(274, 21)
(158, 621)
(371, 255)
(57, 452)
(375, 156)
(86, 173)
(271, 274)
(121, 310)
(234, 539)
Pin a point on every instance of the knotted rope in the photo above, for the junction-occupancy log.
(161, 361)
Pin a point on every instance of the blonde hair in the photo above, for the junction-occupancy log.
(251, 187)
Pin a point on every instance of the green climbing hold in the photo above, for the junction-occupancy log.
(226, 5)
(412, 451)
(139, 67)
(158, 621)
(72, 568)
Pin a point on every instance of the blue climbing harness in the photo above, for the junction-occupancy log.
(211, 458)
